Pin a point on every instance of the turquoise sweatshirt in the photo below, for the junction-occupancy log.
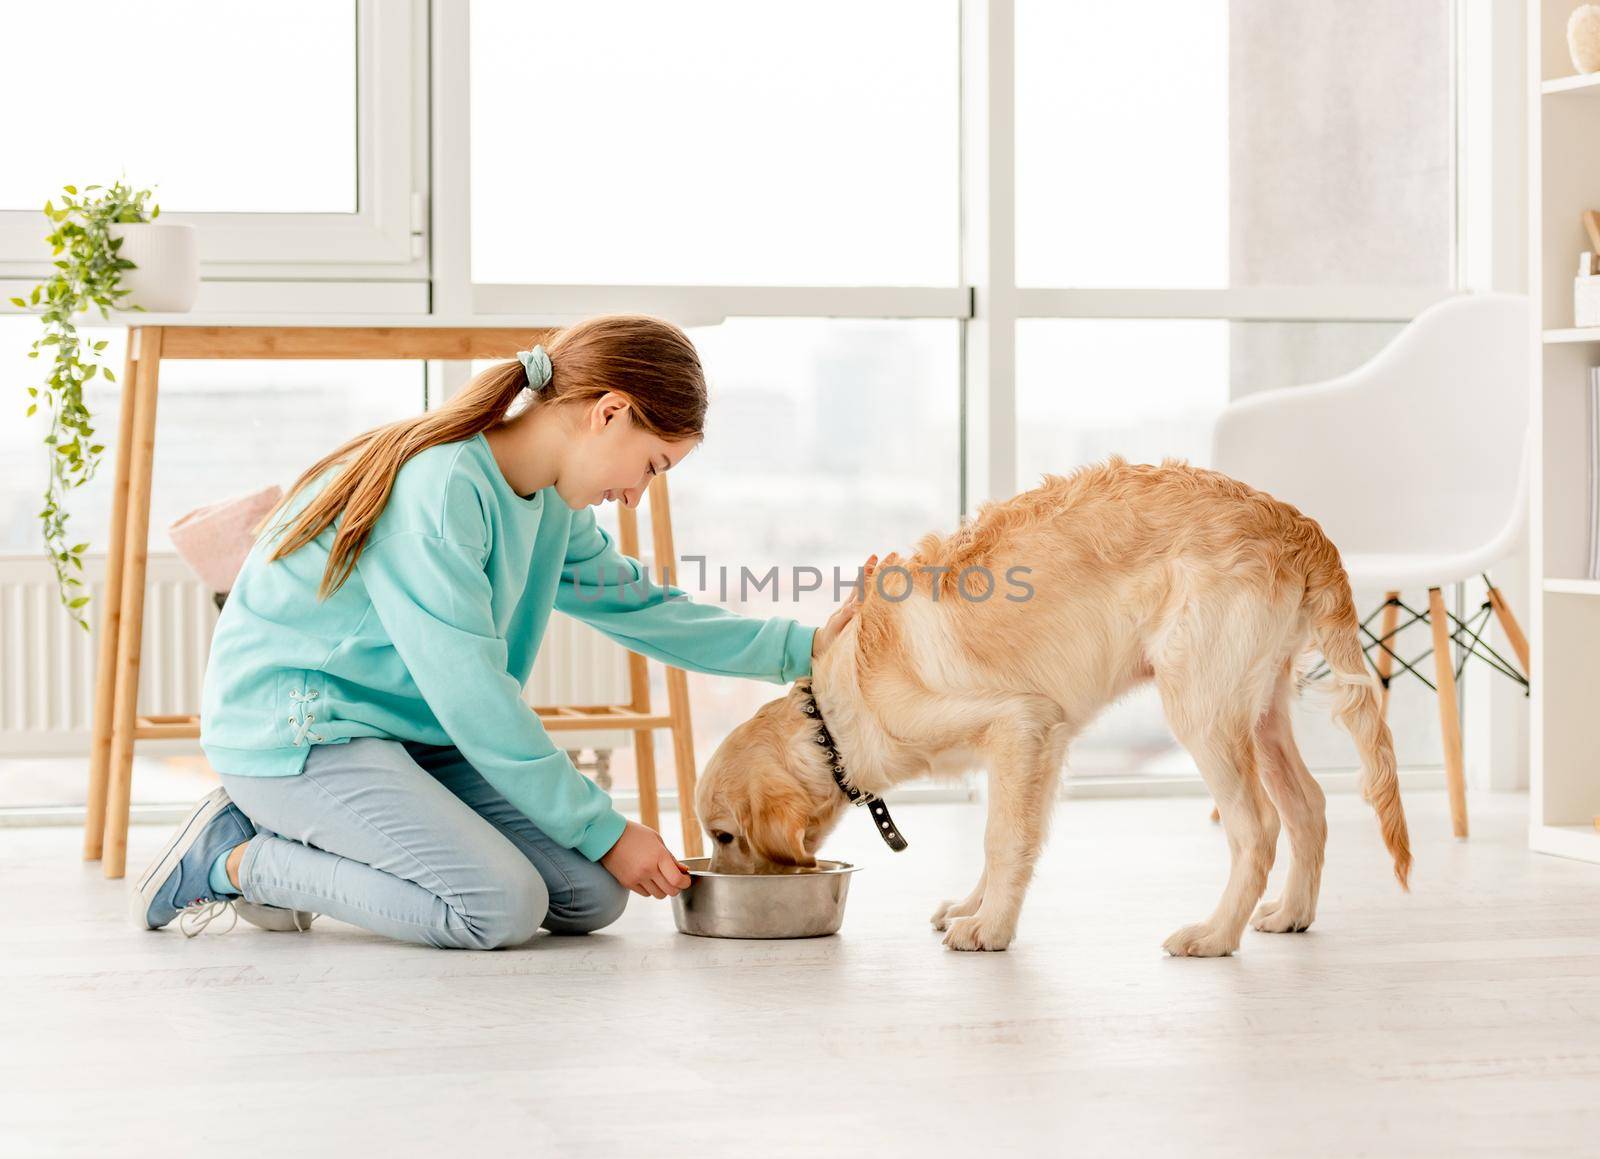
(433, 635)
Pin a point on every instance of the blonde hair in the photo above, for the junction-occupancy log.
(650, 362)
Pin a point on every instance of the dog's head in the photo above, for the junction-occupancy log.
(767, 798)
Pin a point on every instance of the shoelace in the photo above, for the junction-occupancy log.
(202, 911)
(309, 919)
(303, 723)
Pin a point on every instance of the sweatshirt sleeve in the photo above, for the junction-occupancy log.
(614, 593)
(433, 598)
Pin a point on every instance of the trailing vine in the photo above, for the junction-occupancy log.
(88, 272)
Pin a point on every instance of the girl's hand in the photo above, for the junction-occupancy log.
(641, 861)
(845, 612)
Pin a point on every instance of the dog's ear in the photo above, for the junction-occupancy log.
(777, 830)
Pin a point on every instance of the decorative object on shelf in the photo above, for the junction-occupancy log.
(87, 237)
(1583, 38)
(1586, 292)
(215, 539)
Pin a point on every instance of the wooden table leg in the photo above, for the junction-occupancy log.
(131, 628)
(105, 683)
(1444, 673)
(644, 760)
(1383, 660)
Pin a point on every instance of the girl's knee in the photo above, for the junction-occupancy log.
(517, 911)
(593, 904)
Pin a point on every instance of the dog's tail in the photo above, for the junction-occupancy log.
(1335, 630)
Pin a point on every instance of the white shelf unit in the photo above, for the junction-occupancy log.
(1563, 181)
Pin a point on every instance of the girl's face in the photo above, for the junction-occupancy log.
(611, 458)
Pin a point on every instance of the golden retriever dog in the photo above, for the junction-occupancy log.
(1120, 574)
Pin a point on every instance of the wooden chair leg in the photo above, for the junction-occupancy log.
(105, 672)
(130, 631)
(1512, 629)
(644, 759)
(644, 740)
(1384, 661)
(677, 679)
(683, 758)
(1449, 714)
(644, 744)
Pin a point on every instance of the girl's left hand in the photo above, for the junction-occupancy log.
(845, 612)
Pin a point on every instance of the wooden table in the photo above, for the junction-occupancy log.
(116, 724)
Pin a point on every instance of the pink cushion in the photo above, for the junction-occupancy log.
(214, 539)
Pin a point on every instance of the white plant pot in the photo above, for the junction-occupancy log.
(166, 277)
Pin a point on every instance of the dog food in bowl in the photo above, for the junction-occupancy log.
(796, 903)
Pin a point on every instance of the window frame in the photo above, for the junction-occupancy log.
(687, 304)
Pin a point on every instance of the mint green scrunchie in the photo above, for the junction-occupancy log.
(537, 363)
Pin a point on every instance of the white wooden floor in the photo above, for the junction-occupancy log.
(1464, 1018)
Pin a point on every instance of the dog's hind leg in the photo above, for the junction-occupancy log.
(1215, 721)
(1225, 753)
(1025, 743)
(1300, 803)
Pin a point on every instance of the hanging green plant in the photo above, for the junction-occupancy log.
(88, 273)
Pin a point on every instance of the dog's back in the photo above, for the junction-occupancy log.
(1073, 588)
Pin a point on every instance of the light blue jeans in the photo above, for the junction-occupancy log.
(408, 840)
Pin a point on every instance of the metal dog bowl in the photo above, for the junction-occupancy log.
(793, 903)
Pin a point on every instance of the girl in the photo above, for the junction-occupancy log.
(362, 704)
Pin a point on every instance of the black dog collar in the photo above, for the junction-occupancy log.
(887, 829)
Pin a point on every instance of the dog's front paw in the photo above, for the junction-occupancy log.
(1281, 917)
(1199, 941)
(974, 933)
(950, 910)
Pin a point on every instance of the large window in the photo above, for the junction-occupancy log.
(716, 143)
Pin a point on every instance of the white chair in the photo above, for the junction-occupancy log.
(1416, 466)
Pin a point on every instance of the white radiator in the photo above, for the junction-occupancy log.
(47, 662)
